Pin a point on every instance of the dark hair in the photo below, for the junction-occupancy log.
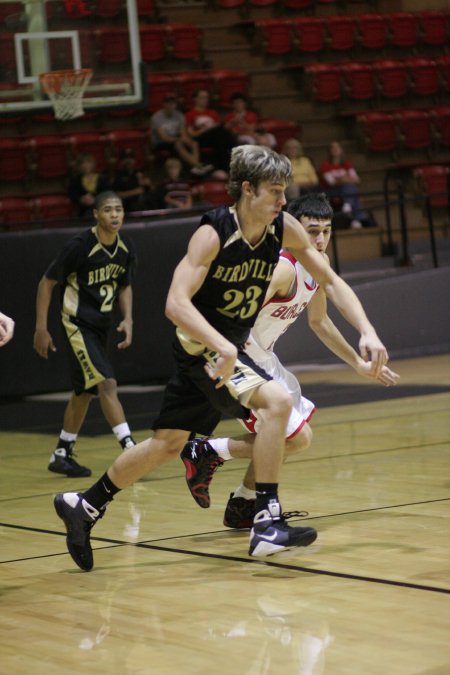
(103, 197)
(311, 205)
(238, 96)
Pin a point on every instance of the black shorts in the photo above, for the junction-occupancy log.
(88, 358)
(192, 402)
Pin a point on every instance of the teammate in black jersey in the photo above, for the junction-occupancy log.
(93, 270)
(214, 298)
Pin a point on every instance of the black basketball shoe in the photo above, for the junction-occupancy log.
(239, 513)
(79, 517)
(271, 534)
(62, 461)
(200, 461)
(127, 442)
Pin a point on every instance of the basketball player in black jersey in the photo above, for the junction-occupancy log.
(93, 270)
(214, 298)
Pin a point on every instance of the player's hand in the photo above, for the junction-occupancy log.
(386, 376)
(222, 368)
(373, 350)
(42, 342)
(6, 329)
(127, 328)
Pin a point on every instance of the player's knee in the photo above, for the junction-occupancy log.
(280, 404)
(108, 387)
(301, 440)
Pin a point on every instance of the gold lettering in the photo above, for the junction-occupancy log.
(244, 271)
(219, 271)
(235, 274)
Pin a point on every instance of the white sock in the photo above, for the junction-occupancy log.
(66, 436)
(220, 445)
(244, 492)
(121, 430)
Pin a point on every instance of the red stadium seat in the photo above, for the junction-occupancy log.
(263, 3)
(402, 29)
(113, 44)
(230, 4)
(415, 129)
(145, 8)
(281, 129)
(49, 156)
(276, 36)
(434, 28)
(358, 80)
(188, 83)
(310, 34)
(7, 52)
(434, 182)
(229, 82)
(325, 81)
(298, 4)
(106, 9)
(15, 210)
(341, 32)
(92, 143)
(214, 192)
(392, 78)
(184, 41)
(443, 64)
(53, 207)
(7, 9)
(424, 76)
(135, 139)
(379, 131)
(153, 42)
(372, 29)
(14, 159)
(440, 117)
(160, 86)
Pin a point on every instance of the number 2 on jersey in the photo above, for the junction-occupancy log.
(108, 291)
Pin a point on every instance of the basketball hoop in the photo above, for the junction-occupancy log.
(65, 89)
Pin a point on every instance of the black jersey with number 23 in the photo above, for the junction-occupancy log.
(237, 280)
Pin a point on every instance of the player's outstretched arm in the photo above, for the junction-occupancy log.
(341, 295)
(187, 279)
(6, 329)
(332, 338)
(43, 341)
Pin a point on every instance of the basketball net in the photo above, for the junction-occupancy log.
(65, 89)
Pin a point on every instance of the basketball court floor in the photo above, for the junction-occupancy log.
(174, 591)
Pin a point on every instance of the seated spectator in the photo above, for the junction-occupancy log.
(132, 186)
(241, 122)
(204, 125)
(168, 132)
(174, 192)
(264, 137)
(86, 185)
(340, 180)
(304, 176)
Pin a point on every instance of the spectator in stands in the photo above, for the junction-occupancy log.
(264, 137)
(132, 186)
(304, 177)
(174, 192)
(6, 329)
(240, 121)
(204, 125)
(168, 133)
(340, 180)
(86, 185)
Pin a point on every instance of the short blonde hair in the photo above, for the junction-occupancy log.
(256, 163)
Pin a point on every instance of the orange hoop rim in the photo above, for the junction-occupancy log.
(53, 80)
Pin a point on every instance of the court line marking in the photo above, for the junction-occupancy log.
(114, 543)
